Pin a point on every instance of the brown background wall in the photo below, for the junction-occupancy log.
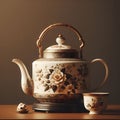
(21, 22)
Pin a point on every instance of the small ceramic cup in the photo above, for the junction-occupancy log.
(95, 102)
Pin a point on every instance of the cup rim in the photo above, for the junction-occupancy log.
(96, 94)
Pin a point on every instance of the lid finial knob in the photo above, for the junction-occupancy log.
(60, 40)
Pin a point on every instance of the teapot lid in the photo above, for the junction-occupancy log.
(60, 50)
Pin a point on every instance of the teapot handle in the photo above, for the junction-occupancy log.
(106, 72)
(39, 41)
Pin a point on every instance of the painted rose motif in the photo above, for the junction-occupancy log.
(62, 78)
(57, 77)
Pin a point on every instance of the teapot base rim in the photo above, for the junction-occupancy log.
(59, 107)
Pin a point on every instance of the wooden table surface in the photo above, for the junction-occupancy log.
(9, 112)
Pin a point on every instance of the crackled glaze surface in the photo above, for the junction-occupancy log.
(59, 77)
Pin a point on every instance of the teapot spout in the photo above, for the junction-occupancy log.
(26, 81)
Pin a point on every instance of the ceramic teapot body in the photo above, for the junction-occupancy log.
(60, 74)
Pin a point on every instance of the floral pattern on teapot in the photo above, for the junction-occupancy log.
(61, 78)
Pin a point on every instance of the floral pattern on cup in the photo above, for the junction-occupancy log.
(62, 78)
(95, 103)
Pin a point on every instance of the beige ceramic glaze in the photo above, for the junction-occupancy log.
(60, 73)
(95, 102)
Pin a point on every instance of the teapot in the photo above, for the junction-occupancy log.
(60, 74)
